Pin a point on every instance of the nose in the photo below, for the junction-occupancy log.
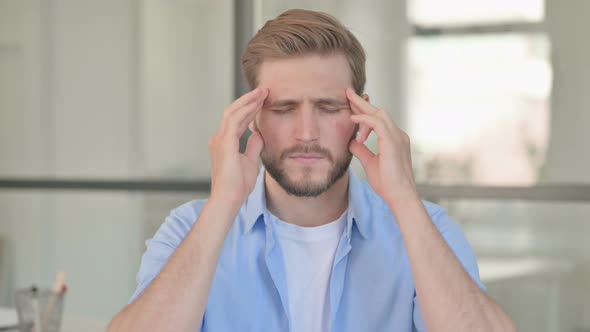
(307, 126)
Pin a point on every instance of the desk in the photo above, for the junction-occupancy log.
(8, 319)
(492, 270)
(70, 323)
(499, 269)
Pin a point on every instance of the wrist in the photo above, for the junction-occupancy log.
(227, 199)
(403, 197)
(222, 206)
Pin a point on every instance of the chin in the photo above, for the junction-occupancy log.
(306, 173)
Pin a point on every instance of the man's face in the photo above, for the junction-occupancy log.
(305, 122)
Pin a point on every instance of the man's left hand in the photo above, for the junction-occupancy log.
(389, 171)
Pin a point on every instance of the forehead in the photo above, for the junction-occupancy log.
(309, 76)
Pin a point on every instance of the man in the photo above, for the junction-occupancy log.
(306, 245)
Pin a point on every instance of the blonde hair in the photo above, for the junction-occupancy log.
(299, 32)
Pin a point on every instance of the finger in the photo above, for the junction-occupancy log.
(246, 99)
(388, 120)
(254, 146)
(374, 123)
(361, 152)
(366, 108)
(391, 125)
(236, 123)
(358, 104)
(363, 134)
(249, 117)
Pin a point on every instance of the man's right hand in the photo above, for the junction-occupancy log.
(183, 284)
(233, 174)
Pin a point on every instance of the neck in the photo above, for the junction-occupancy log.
(307, 211)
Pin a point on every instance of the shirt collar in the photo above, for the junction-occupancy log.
(358, 206)
(255, 206)
(254, 209)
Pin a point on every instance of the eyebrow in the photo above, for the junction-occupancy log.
(317, 101)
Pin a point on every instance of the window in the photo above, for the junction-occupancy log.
(478, 103)
(461, 12)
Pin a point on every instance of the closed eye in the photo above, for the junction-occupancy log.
(281, 110)
(330, 109)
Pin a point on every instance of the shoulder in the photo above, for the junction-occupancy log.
(374, 202)
(189, 209)
(180, 220)
(378, 208)
(441, 218)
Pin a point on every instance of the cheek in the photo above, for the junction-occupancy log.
(263, 121)
(343, 129)
(270, 131)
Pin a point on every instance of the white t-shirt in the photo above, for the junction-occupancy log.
(309, 254)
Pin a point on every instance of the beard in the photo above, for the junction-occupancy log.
(306, 187)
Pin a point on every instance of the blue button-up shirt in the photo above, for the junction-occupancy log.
(371, 286)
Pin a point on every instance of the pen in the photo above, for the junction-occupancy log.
(35, 308)
(59, 288)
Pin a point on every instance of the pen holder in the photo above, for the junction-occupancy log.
(39, 310)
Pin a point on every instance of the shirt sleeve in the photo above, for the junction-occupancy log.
(458, 243)
(161, 246)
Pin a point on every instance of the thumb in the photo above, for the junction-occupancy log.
(362, 152)
(254, 146)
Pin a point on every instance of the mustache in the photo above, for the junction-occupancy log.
(310, 148)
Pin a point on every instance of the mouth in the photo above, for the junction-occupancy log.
(306, 158)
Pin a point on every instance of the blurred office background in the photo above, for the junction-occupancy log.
(123, 95)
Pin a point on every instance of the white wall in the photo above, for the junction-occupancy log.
(568, 159)
(102, 89)
(186, 70)
(23, 142)
(74, 68)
